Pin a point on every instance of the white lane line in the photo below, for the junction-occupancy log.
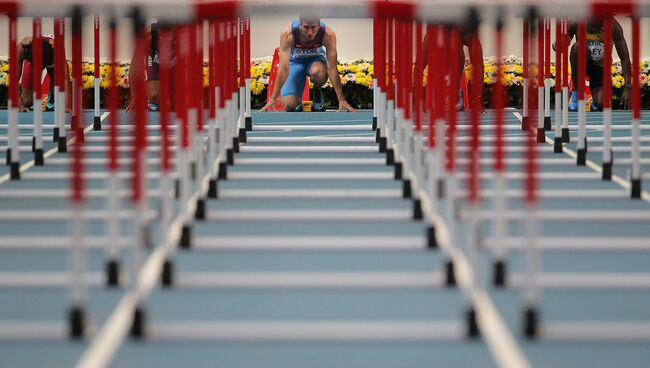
(353, 279)
(310, 193)
(302, 149)
(289, 330)
(581, 243)
(312, 215)
(585, 280)
(621, 331)
(289, 128)
(269, 242)
(64, 194)
(567, 215)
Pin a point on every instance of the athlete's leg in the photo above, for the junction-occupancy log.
(293, 86)
(595, 73)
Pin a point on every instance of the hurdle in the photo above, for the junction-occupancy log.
(443, 168)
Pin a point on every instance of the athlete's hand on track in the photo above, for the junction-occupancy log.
(344, 105)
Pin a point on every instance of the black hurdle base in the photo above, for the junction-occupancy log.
(97, 123)
(137, 327)
(547, 123)
(167, 276)
(199, 214)
(193, 170)
(525, 121)
(450, 279)
(186, 237)
(242, 135)
(635, 192)
(417, 210)
(33, 144)
(212, 188)
(499, 274)
(223, 171)
(390, 153)
(248, 123)
(398, 171)
(607, 171)
(8, 157)
(541, 136)
(442, 189)
(39, 159)
(55, 134)
(230, 156)
(374, 123)
(557, 145)
(582, 157)
(15, 171)
(566, 137)
(378, 136)
(235, 145)
(432, 242)
(472, 324)
(530, 322)
(112, 273)
(177, 188)
(62, 145)
(406, 189)
(76, 322)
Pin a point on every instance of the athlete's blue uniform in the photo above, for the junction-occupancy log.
(302, 56)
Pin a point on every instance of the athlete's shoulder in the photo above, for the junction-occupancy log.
(329, 33)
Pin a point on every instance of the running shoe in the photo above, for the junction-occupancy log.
(319, 100)
(153, 106)
(573, 102)
(460, 104)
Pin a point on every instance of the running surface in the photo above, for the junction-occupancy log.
(358, 290)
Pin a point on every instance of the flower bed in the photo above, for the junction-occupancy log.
(356, 79)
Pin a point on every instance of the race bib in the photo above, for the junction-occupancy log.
(596, 50)
(306, 53)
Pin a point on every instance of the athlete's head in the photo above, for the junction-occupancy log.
(309, 25)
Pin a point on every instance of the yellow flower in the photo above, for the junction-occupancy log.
(88, 68)
(344, 81)
(507, 79)
(87, 81)
(104, 83)
(371, 69)
(4, 67)
(256, 87)
(340, 68)
(363, 81)
(266, 67)
(256, 71)
(353, 68)
(206, 77)
(618, 81)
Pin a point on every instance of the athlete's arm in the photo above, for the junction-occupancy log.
(624, 55)
(137, 67)
(329, 41)
(286, 40)
(24, 97)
